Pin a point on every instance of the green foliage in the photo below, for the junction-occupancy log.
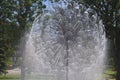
(109, 73)
(15, 17)
(2, 62)
(109, 12)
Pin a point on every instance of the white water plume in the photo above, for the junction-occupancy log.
(65, 43)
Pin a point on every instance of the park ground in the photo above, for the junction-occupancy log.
(14, 74)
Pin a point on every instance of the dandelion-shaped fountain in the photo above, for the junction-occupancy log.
(65, 43)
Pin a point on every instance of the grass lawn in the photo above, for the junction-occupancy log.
(10, 77)
(16, 77)
(109, 74)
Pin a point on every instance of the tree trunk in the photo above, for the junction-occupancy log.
(15, 60)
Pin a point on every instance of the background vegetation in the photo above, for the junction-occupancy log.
(16, 16)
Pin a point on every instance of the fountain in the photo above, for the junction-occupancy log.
(66, 42)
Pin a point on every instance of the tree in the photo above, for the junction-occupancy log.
(3, 37)
(2, 58)
(14, 20)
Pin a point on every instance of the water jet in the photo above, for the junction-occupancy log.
(65, 43)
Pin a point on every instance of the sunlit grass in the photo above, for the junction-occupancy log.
(110, 74)
(10, 77)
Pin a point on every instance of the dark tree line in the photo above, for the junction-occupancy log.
(15, 17)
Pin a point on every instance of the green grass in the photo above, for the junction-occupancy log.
(10, 77)
(110, 74)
